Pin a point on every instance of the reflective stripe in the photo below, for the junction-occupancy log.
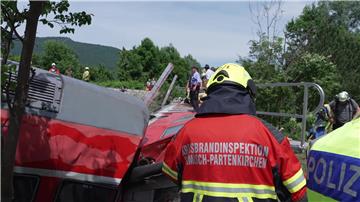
(201, 198)
(245, 199)
(296, 182)
(198, 197)
(230, 185)
(166, 169)
(229, 190)
(68, 175)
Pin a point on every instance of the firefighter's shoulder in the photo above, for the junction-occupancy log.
(333, 165)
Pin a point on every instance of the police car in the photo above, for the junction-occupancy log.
(333, 165)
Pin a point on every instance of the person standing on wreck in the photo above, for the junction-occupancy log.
(195, 84)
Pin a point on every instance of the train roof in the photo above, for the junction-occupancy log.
(68, 99)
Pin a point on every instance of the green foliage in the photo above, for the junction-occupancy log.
(122, 84)
(330, 29)
(267, 52)
(62, 56)
(67, 20)
(148, 61)
(130, 66)
(315, 68)
(292, 128)
(15, 58)
(101, 73)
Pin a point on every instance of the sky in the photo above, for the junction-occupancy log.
(213, 32)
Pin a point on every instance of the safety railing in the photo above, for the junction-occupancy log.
(305, 111)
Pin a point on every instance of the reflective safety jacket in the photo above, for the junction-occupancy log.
(233, 158)
(334, 165)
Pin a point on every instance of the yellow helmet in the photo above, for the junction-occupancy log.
(232, 74)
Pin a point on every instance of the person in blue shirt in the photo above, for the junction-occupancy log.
(194, 87)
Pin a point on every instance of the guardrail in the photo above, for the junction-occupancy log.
(305, 111)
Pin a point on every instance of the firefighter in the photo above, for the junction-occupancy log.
(54, 69)
(86, 74)
(227, 154)
(333, 165)
(344, 109)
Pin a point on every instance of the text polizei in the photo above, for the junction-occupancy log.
(331, 173)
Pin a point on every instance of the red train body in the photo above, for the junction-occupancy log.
(77, 140)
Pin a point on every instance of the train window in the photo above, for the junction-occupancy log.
(25, 187)
(72, 191)
(172, 130)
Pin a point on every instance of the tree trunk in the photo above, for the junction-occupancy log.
(11, 140)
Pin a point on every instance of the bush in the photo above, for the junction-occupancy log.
(122, 84)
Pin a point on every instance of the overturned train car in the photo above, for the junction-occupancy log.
(78, 141)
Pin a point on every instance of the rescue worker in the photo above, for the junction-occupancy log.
(333, 165)
(208, 72)
(86, 74)
(153, 82)
(194, 87)
(54, 69)
(148, 85)
(226, 153)
(344, 109)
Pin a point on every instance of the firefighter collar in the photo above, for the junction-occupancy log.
(227, 100)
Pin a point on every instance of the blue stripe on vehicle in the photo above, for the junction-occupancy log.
(334, 175)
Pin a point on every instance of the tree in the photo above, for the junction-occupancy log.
(101, 73)
(150, 58)
(318, 69)
(305, 59)
(147, 61)
(181, 67)
(12, 18)
(266, 52)
(129, 65)
(265, 15)
(330, 29)
(60, 54)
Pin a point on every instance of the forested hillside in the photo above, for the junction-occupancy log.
(88, 54)
(133, 67)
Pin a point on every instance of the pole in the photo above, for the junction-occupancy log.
(169, 91)
(305, 106)
(149, 97)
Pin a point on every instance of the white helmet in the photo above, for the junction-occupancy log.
(343, 96)
(86, 68)
(53, 64)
